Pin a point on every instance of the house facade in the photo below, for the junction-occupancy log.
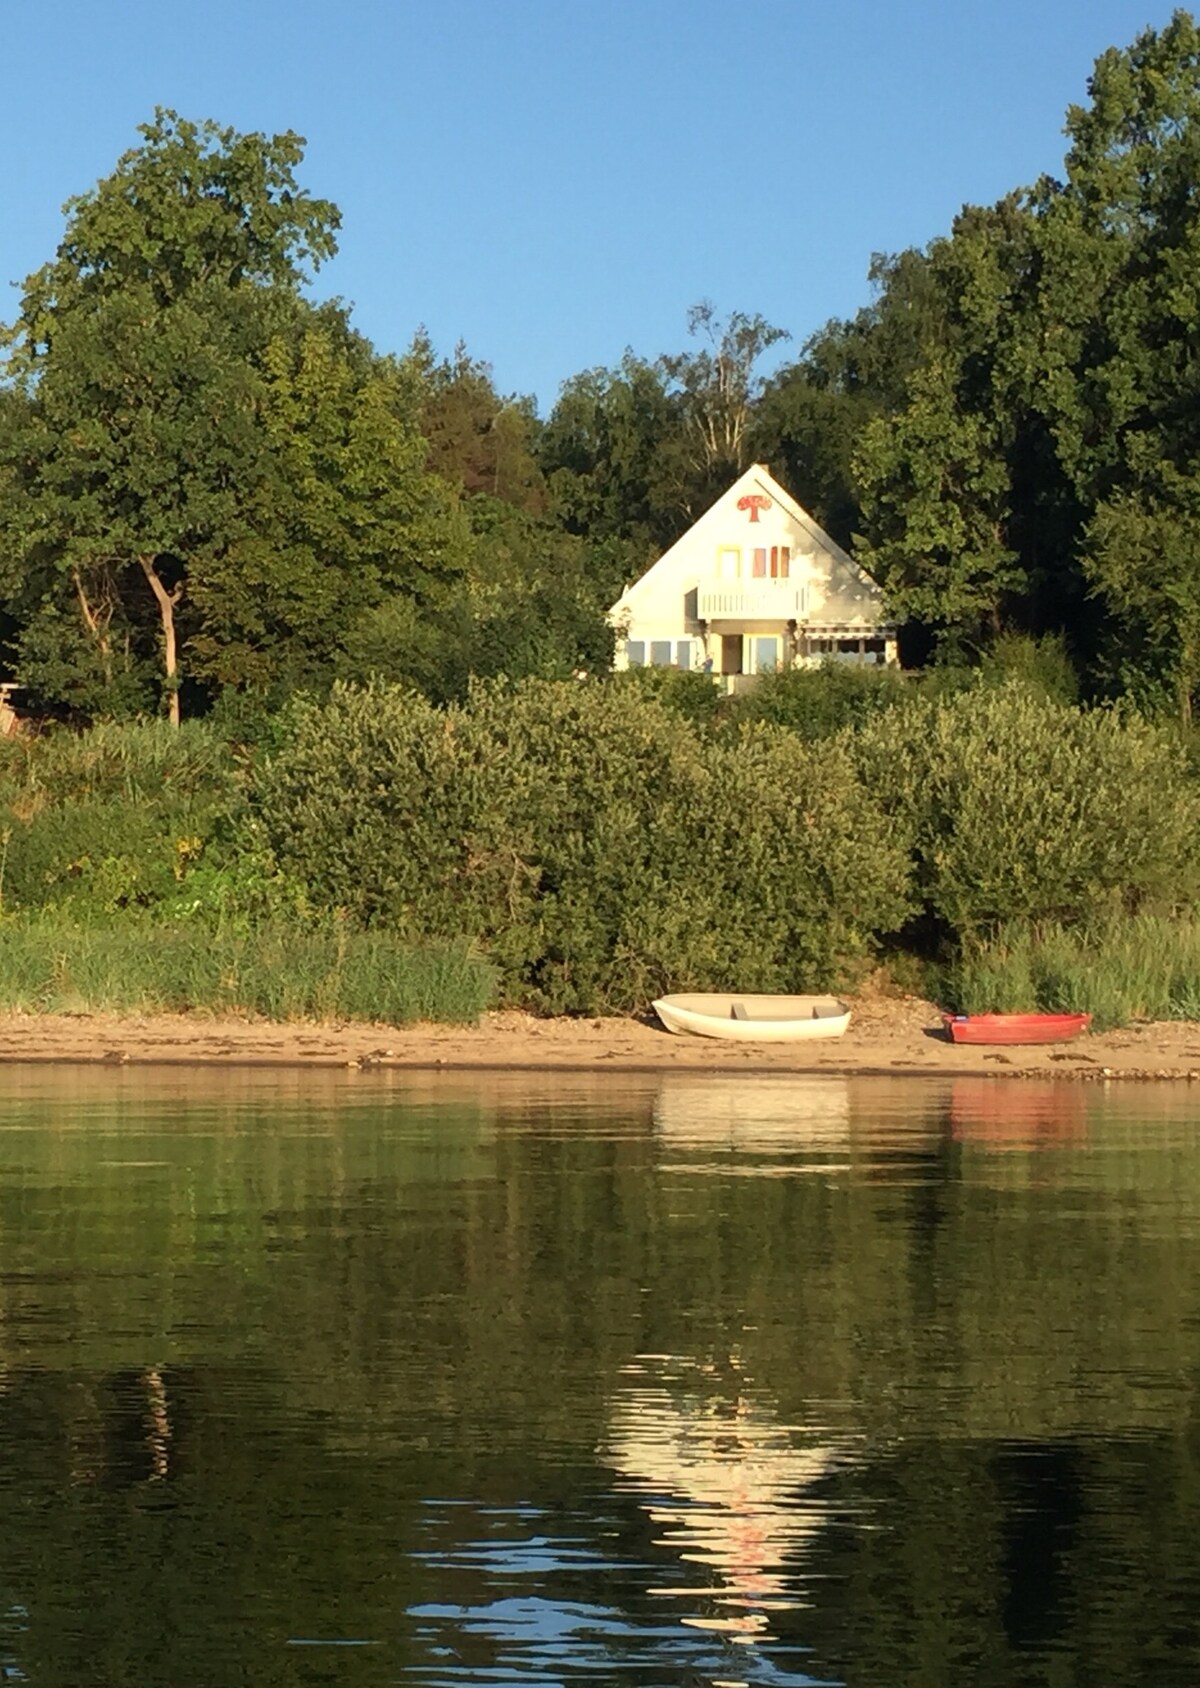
(755, 585)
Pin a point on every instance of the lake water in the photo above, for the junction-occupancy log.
(380, 1379)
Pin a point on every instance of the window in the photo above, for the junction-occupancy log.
(766, 656)
(683, 654)
(729, 563)
(635, 651)
(774, 564)
(660, 653)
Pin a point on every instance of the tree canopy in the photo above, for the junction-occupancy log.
(207, 481)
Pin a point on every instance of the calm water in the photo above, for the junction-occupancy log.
(355, 1379)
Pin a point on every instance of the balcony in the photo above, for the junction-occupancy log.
(754, 600)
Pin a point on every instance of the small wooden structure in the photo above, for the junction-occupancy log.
(10, 721)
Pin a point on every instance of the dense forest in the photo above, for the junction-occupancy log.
(212, 488)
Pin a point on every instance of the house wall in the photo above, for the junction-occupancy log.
(705, 587)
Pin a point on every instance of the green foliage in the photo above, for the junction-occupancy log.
(54, 965)
(1145, 967)
(598, 847)
(818, 702)
(1040, 665)
(1021, 808)
(685, 692)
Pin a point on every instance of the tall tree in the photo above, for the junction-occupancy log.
(202, 453)
(1121, 379)
(477, 439)
(717, 388)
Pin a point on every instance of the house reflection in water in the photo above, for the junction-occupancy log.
(728, 1487)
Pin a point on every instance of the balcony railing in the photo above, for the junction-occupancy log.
(759, 600)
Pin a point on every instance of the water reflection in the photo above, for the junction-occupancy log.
(441, 1379)
(797, 1117)
(726, 1484)
(1031, 1114)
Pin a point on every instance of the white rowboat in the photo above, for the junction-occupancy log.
(754, 1019)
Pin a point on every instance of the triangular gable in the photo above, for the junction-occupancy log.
(756, 480)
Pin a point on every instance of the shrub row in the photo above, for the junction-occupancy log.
(600, 848)
(598, 845)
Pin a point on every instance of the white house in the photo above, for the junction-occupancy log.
(754, 586)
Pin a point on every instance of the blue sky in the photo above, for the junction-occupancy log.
(552, 182)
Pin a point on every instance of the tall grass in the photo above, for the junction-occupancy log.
(48, 965)
(134, 762)
(1145, 967)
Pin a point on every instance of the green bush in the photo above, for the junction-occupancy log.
(374, 801)
(685, 692)
(1023, 809)
(1042, 664)
(115, 818)
(102, 855)
(818, 702)
(599, 846)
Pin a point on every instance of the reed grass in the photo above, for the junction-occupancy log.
(133, 762)
(48, 965)
(1143, 967)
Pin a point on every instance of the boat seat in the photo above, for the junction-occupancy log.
(737, 1011)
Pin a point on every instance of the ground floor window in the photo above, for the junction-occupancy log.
(659, 653)
(766, 655)
(849, 650)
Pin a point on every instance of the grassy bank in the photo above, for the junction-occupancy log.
(50, 965)
(1143, 967)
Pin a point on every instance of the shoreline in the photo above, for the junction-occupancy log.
(887, 1038)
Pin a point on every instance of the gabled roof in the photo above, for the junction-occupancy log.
(756, 479)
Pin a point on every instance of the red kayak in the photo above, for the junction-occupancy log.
(1015, 1028)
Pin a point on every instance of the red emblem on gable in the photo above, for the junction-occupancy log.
(754, 502)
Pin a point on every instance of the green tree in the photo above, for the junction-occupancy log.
(199, 459)
(604, 451)
(717, 388)
(1120, 240)
(345, 521)
(477, 439)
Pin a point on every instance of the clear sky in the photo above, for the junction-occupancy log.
(553, 181)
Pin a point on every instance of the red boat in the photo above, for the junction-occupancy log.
(1015, 1028)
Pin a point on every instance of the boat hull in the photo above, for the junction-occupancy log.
(754, 1019)
(1015, 1028)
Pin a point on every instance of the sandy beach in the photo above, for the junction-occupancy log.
(887, 1036)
